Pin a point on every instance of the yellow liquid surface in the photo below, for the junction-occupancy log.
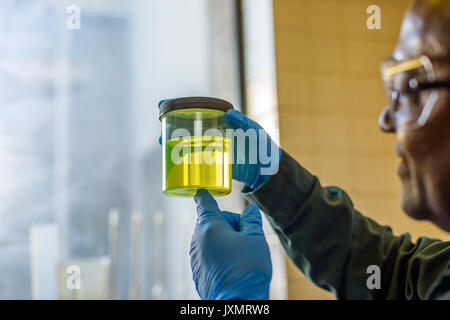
(194, 163)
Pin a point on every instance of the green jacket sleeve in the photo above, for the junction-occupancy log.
(333, 244)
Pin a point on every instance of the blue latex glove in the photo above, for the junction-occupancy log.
(230, 258)
(251, 174)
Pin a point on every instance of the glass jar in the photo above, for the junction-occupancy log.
(196, 153)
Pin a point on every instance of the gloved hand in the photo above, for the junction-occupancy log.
(230, 258)
(253, 174)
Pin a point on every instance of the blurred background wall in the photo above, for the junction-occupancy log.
(80, 162)
(79, 137)
(260, 99)
(329, 99)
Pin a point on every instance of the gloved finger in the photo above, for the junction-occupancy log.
(242, 173)
(160, 140)
(237, 120)
(233, 219)
(208, 210)
(251, 221)
(205, 203)
(161, 102)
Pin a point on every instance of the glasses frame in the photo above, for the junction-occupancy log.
(415, 85)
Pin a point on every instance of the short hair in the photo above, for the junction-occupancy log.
(434, 15)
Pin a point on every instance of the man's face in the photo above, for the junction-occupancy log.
(424, 152)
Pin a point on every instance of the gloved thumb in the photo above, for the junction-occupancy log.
(251, 221)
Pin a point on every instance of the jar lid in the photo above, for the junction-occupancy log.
(194, 103)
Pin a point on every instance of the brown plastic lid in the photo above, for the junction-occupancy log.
(194, 103)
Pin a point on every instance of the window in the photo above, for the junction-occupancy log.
(79, 140)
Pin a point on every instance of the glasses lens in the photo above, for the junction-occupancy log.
(401, 84)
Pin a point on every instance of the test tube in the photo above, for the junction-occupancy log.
(136, 242)
(113, 226)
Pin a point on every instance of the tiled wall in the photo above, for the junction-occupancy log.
(329, 99)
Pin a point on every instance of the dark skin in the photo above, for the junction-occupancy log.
(424, 169)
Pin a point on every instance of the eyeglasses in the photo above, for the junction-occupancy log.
(410, 88)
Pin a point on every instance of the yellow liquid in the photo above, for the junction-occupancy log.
(199, 163)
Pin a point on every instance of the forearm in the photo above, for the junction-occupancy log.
(315, 239)
(333, 244)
